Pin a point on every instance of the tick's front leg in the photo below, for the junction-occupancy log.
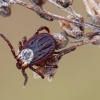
(25, 76)
(42, 28)
(9, 44)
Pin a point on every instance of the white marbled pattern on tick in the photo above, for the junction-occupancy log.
(26, 56)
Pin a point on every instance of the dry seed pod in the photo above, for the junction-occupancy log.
(5, 11)
(93, 37)
(71, 29)
(61, 39)
(39, 2)
(68, 3)
(93, 10)
(65, 3)
(5, 8)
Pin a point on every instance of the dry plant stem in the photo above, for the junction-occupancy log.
(74, 14)
(36, 8)
(83, 43)
(62, 8)
(72, 48)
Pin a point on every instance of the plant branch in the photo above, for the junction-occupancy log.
(38, 9)
(62, 8)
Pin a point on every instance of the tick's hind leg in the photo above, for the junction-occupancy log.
(42, 28)
(33, 69)
(65, 51)
(25, 76)
(24, 40)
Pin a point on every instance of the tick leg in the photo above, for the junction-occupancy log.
(33, 69)
(66, 51)
(25, 76)
(24, 40)
(55, 66)
(9, 44)
(50, 66)
(42, 28)
(20, 45)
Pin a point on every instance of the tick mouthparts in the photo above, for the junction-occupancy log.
(24, 63)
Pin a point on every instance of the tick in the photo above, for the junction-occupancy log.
(39, 50)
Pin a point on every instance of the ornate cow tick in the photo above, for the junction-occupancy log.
(39, 50)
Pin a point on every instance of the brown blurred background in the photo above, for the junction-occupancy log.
(78, 75)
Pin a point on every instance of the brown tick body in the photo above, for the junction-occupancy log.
(39, 50)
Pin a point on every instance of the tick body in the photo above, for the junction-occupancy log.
(42, 46)
(39, 50)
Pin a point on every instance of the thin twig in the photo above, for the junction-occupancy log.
(74, 14)
(62, 8)
(36, 8)
(72, 48)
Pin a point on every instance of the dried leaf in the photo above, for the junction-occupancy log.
(61, 40)
(93, 10)
(71, 29)
(94, 37)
